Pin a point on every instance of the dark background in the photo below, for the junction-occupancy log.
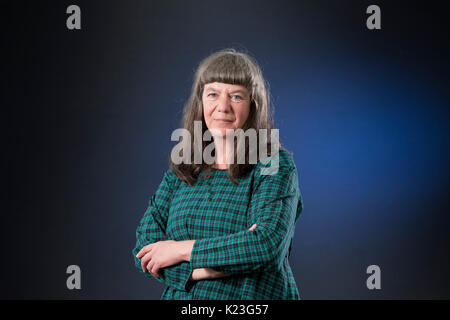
(87, 117)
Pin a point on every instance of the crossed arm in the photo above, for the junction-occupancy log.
(262, 248)
(163, 254)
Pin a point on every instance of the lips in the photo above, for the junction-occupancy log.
(224, 120)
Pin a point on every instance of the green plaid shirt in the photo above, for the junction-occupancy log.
(217, 214)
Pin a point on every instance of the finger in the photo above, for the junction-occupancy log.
(143, 265)
(150, 267)
(144, 250)
(145, 260)
(155, 270)
(253, 227)
(141, 252)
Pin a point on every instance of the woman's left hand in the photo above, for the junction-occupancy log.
(163, 254)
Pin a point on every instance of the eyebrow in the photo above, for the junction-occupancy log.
(234, 91)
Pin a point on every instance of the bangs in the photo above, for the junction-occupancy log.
(231, 69)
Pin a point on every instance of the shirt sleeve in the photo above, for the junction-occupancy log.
(273, 207)
(152, 229)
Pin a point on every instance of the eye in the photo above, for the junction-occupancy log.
(212, 95)
(237, 97)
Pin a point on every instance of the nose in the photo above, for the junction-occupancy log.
(224, 104)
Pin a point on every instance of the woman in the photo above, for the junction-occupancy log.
(224, 230)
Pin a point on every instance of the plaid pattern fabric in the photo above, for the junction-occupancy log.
(218, 213)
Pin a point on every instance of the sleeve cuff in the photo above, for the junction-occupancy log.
(198, 253)
(178, 276)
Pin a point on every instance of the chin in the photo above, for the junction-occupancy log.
(221, 132)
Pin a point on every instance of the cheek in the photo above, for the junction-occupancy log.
(207, 112)
(243, 114)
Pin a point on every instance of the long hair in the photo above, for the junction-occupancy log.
(232, 67)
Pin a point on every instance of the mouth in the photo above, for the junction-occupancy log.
(224, 120)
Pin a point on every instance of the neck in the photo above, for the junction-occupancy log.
(223, 154)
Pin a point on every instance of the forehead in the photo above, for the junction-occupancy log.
(220, 86)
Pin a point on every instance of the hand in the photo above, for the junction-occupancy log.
(163, 254)
(206, 273)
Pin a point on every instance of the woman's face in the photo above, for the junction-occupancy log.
(225, 106)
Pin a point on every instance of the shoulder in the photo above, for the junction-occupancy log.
(279, 163)
(278, 176)
(170, 179)
(170, 175)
